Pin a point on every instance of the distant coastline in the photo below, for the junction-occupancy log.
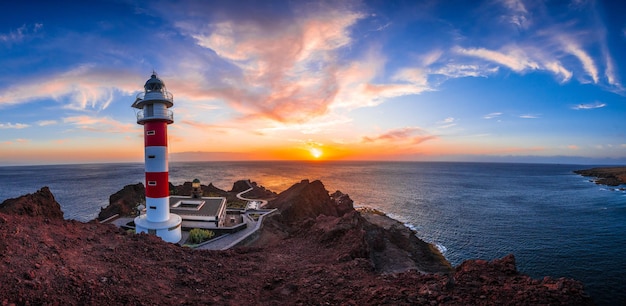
(610, 176)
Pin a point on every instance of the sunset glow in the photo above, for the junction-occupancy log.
(297, 80)
(316, 153)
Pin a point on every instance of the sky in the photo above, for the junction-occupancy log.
(434, 80)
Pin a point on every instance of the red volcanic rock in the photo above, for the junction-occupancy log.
(303, 201)
(124, 202)
(498, 281)
(38, 204)
(343, 202)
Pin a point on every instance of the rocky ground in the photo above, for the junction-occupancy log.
(336, 256)
(611, 176)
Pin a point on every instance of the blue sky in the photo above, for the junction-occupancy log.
(498, 80)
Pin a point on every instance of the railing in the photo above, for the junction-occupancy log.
(156, 95)
(166, 114)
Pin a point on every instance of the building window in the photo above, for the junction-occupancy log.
(151, 132)
(152, 183)
(151, 156)
(152, 207)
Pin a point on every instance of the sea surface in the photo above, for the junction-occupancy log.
(556, 223)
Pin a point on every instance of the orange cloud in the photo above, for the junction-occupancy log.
(406, 135)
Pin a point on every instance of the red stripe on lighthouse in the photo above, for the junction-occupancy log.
(155, 133)
(157, 184)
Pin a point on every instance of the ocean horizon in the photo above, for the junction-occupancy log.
(557, 223)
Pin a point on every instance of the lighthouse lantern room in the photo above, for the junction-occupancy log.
(154, 115)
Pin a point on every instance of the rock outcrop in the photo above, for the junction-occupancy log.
(124, 202)
(307, 211)
(610, 176)
(38, 204)
(305, 200)
(208, 190)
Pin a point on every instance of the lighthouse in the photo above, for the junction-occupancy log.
(155, 116)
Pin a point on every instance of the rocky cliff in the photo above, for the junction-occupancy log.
(321, 259)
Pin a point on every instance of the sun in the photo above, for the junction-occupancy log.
(315, 152)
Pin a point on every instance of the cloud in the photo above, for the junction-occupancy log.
(517, 14)
(492, 115)
(411, 135)
(447, 123)
(46, 122)
(291, 68)
(287, 67)
(20, 33)
(593, 105)
(586, 60)
(10, 125)
(97, 124)
(86, 87)
(515, 58)
(529, 116)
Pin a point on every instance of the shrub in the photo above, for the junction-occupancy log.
(198, 235)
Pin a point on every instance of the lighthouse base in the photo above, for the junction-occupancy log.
(169, 231)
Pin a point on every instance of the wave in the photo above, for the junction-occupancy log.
(441, 248)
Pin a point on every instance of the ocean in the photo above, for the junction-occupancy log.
(556, 223)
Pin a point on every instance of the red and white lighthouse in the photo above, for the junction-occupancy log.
(155, 115)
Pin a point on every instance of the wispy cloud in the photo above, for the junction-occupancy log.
(517, 13)
(46, 122)
(593, 105)
(411, 135)
(86, 87)
(513, 57)
(492, 115)
(98, 124)
(10, 125)
(447, 123)
(586, 60)
(529, 116)
(20, 33)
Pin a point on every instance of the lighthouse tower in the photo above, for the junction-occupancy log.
(155, 116)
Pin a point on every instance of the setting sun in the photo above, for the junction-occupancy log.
(317, 153)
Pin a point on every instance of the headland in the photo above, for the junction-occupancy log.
(610, 176)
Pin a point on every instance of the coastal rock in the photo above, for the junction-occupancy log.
(241, 185)
(38, 204)
(257, 192)
(610, 176)
(124, 202)
(186, 188)
(304, 200)
(343, 203)
(387, 244)
(395, 248)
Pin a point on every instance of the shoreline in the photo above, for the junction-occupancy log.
(610, 176)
